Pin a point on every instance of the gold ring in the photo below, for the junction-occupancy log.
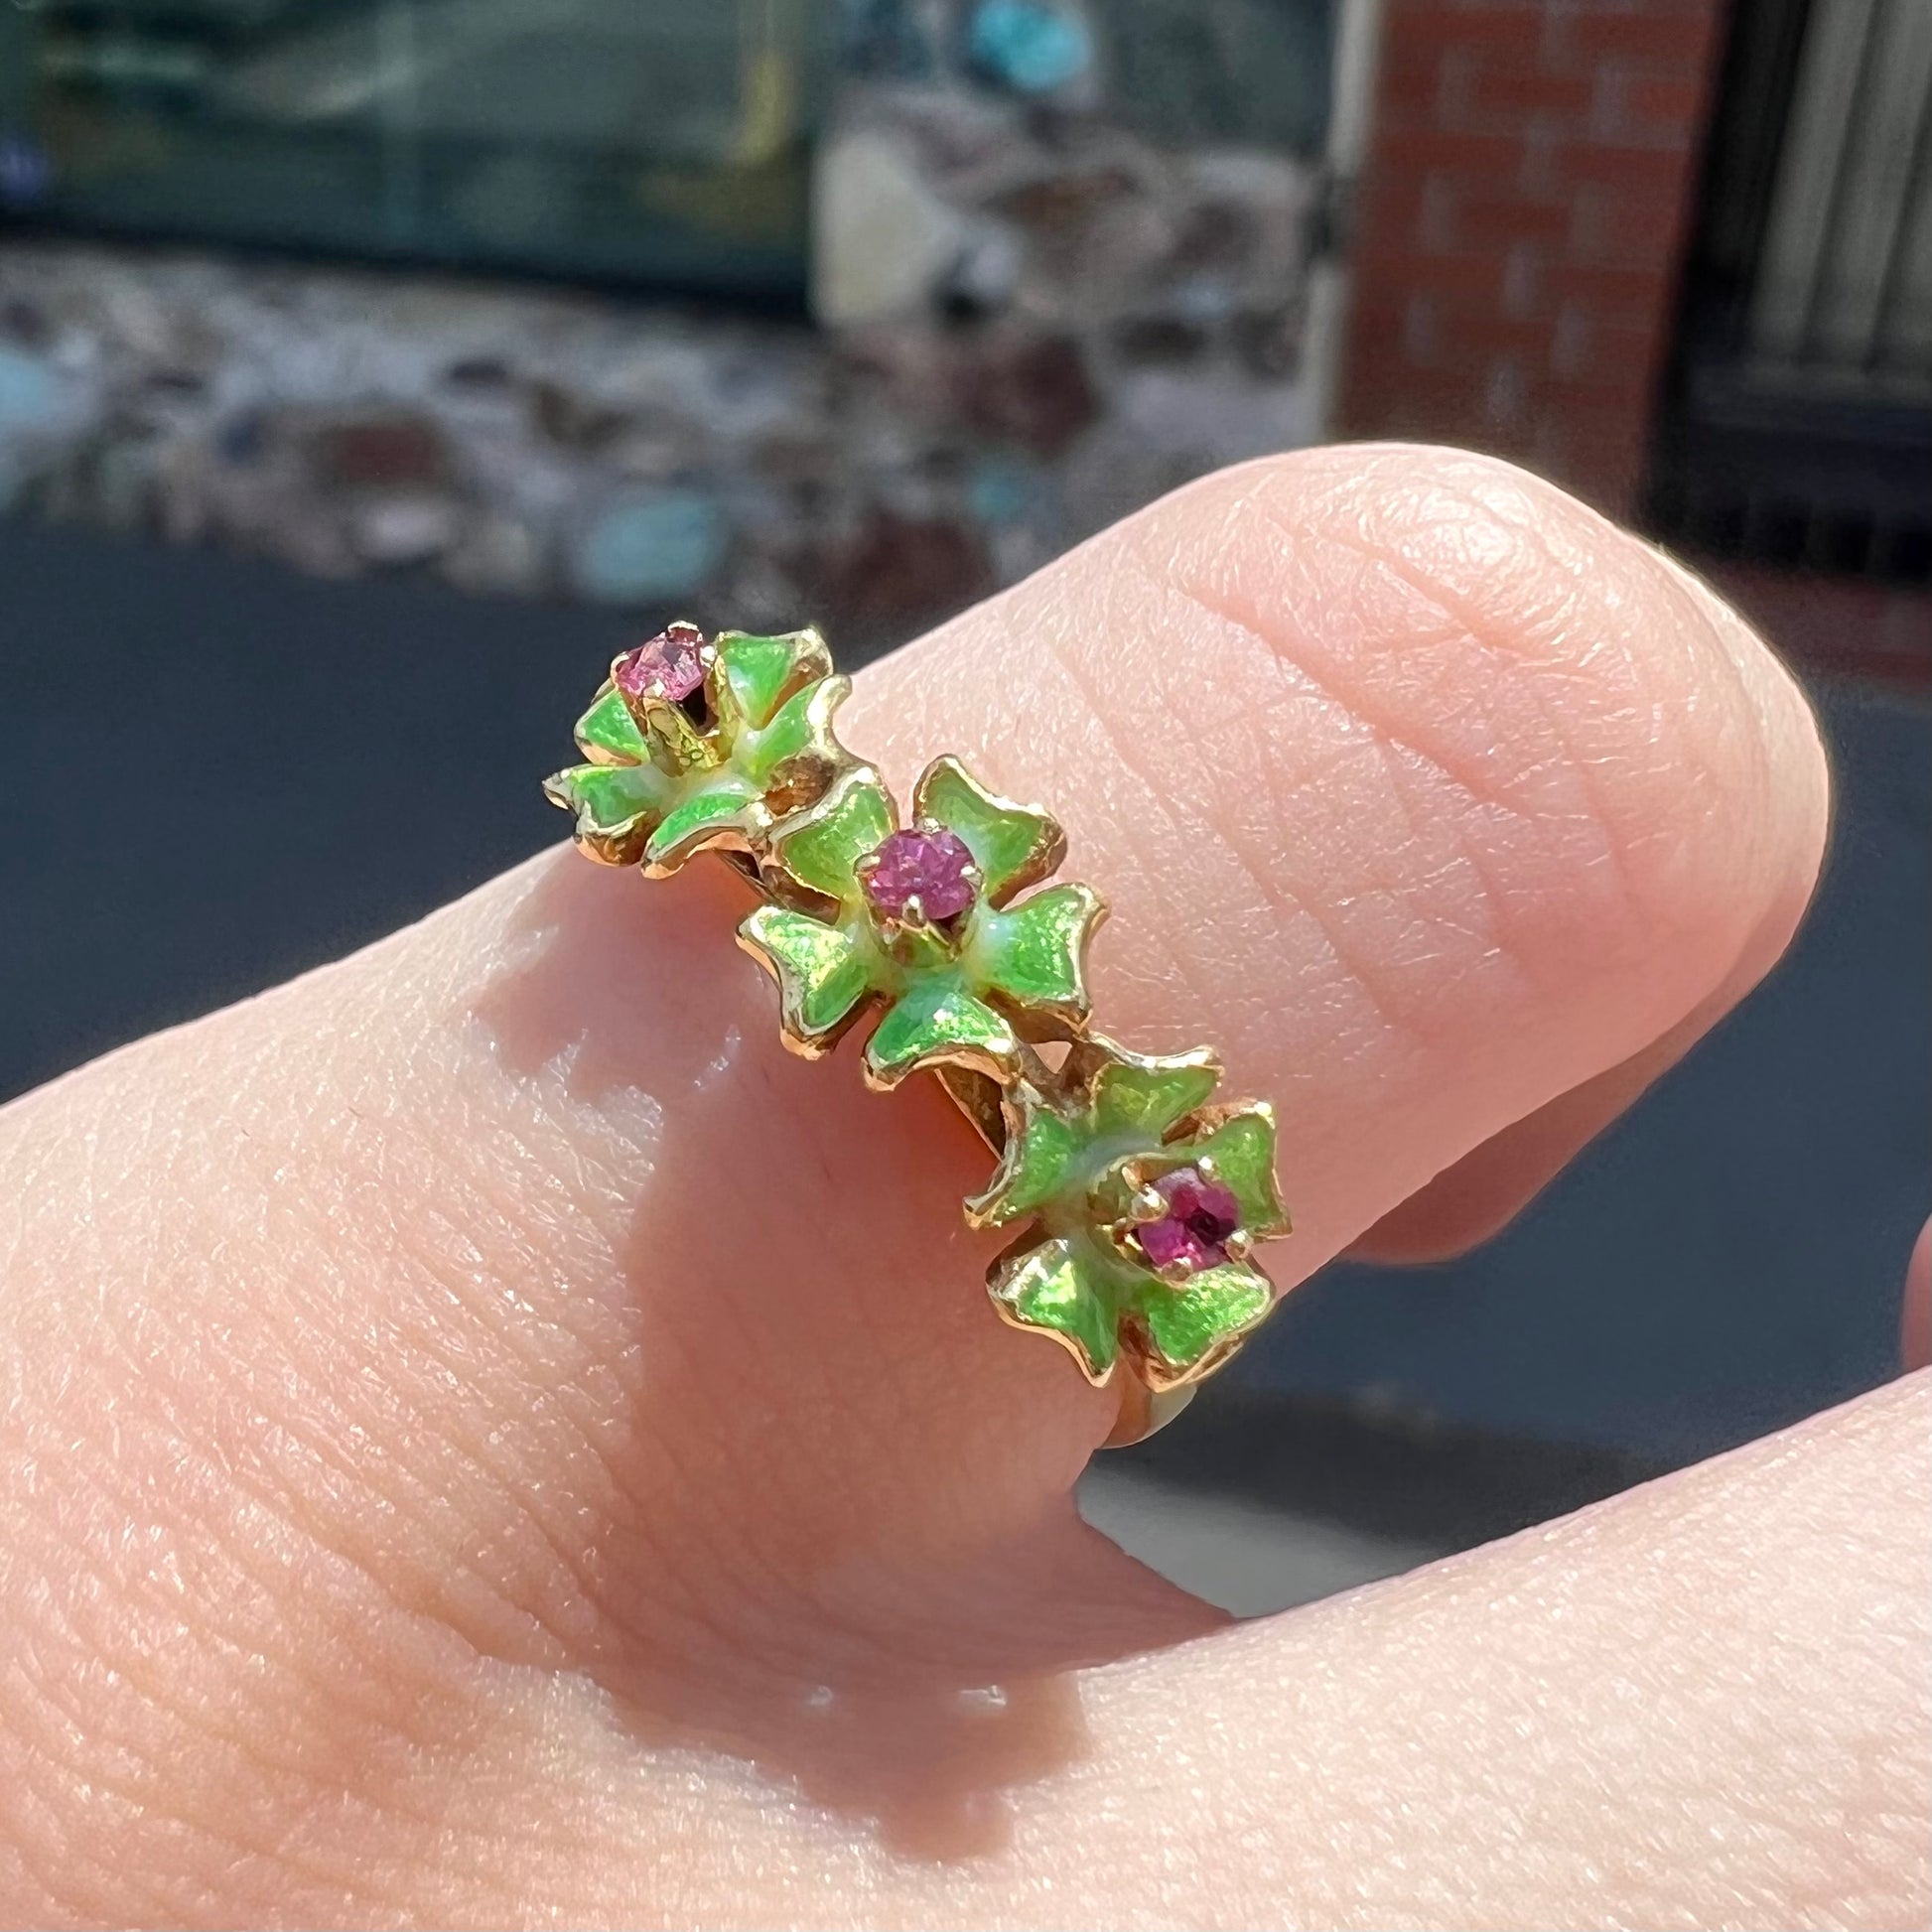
(1138, 1197)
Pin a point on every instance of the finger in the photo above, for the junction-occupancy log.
(1476, 1196)
(507, 1287)
(1706, 1702)
(1482, 1191)
(1427, 787)
(1423, 791)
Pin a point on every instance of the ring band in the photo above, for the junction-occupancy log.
(1139, 1196)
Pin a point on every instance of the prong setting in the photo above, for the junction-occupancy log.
(1140, 1198)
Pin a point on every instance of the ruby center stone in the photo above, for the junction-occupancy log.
(1201, 1215)
(931, 867)
(668, 665)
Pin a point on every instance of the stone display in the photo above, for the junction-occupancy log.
(1031, 315)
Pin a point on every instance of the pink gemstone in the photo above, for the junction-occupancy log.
(1201, 1215)
(930, 867)
(669, 666)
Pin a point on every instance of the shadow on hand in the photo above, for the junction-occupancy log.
(845, 1549)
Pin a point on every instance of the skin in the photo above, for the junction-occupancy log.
(489, 1439)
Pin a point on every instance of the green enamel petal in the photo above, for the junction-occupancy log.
(607, 800)
(854, 817)
(757, 669)
(1148, 1098)
(1185, 1324)
(708, 810)
(793, 731)
(1035, 952)
(608, 731)
(1007, 840)
(1242, 1148)
(823, 972)
(1033, 1167)
(1049, 1288)
(936, 1019)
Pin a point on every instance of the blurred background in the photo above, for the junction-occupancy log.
(371, 369)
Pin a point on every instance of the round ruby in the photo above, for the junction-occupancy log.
(1194, 1232)
(669, 666)
(933, 867)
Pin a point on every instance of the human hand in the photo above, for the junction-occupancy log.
(489, 1439)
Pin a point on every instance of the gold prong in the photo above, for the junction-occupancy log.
(1086, 1191)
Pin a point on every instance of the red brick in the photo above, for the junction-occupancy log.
(1601, 420)
(1466, 277)
(1594, 353)
(1647, 171)
(1483, 218)
(1624, 369)
(1378, 319)
(1602, 464)
(1371, 377)
(1402, 329)
(1631, 295)
(1557, 137)
(1508, 34)
(1471, 334)
(1379, 265)
(1454, 415)
(1401, 214)
(1622, 115)
(1628, 225)
(1606, 468)
(1674, 100)
(1586, 411)
(1380, 342)
(1677, 39)
(1493, 96)
(1645, 9)
(1477, 157)
(1464, 339)
(1410, 91)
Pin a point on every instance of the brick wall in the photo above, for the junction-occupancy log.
(1523, 210)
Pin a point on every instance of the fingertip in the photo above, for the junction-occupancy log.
(1593, 687)
(1797, 779)
(1915, 1320)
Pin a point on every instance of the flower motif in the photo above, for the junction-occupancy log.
(1145, 1203)
(927, 922)
(695, 746)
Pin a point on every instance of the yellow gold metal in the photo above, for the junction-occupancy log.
(1143, 1411)
(991, 1001)
(1048, 847)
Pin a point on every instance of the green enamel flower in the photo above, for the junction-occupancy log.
(925, 922)
(1143, 1203)
(695, 746)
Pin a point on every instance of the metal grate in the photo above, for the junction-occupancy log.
(1843, 295)
(1797, 428)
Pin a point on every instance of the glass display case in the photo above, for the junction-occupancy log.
(644, 141)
